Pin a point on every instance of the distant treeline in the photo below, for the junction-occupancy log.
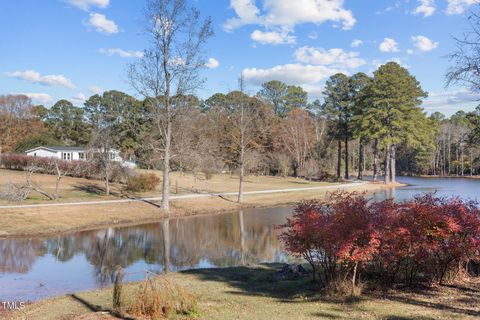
(362, 125)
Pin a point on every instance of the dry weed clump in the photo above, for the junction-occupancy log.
(158, 298)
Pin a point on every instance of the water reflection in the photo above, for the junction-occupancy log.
(170, 245)
(37, 268)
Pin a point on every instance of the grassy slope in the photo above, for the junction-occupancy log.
(50, 220)
(256, 293)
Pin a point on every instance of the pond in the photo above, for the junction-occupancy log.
(34, 268)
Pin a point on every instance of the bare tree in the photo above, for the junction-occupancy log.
(466, 58)
(247, 119)
(20, 191)
(296, 134)
(169, 68)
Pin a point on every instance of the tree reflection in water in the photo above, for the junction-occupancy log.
(197, 242)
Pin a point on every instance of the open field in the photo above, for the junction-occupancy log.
(77, 189)
(257, 293)
(50, 220)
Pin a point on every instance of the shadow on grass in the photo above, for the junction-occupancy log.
(434, 305)
(408, 318)
(262, 280)
(92, 189)
(96, 308)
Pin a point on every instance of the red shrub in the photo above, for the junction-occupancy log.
(333, 235)
(426, 238)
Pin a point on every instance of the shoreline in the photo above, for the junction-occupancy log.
(256, 291)
(45, 221)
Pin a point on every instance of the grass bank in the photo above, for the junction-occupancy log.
(42, 221)
(256, 292)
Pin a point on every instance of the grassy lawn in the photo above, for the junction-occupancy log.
(75, 189)
(257, 293)
(40, 221)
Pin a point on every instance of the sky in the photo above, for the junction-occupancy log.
(72, 49)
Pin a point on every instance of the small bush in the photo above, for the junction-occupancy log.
(159, 298)
(143, 182)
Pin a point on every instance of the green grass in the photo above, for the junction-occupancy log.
(257, 293)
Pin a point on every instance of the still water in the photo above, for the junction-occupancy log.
(35, 268)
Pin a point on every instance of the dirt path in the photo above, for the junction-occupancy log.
(186, 196)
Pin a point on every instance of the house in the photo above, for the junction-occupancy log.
(74, 153)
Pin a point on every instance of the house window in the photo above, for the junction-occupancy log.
(66, 155)
(112, 156)
(81, 156)
(34, 154)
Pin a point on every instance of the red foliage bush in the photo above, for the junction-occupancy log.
(424, 239)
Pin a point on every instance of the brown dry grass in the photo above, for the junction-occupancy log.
(41, 221)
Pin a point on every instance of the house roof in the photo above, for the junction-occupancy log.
(65, 149)
(57, 149)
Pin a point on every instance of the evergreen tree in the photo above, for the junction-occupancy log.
(395, 116)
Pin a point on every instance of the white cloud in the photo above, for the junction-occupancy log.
(446, 99)
(426, 7)
(247, 13)
(389, 45)
(356, 43)
(79, 98)
(43, 98)
(272, 37)
(423, 43)
(296, 74)
(459, 6)
(95, 90)
(212, 63)
(121, 53)
(282, 16)
(48, 80)
(86, 4)
(101, 23)
(336, 57)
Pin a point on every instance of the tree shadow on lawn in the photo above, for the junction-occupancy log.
(263, 280)
(94, 189)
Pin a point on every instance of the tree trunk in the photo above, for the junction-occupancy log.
(471, 162)
(375, 160)
(347, 176)
(57, 183)
(387, 165)
(166, 169)
(165, 225)
(354, 277)
(339, 160)
(242, 173)
(107, 177)
(361, 158)
(393, 172)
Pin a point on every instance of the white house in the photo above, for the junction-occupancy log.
(73, 153)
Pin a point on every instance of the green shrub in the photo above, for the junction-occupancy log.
(143, 182)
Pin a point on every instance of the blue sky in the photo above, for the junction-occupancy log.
(53, 49)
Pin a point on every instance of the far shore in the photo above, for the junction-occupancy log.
(49, 220)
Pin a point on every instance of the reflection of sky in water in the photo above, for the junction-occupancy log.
(37, 268)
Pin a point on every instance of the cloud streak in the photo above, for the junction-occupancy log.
(33, 76)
